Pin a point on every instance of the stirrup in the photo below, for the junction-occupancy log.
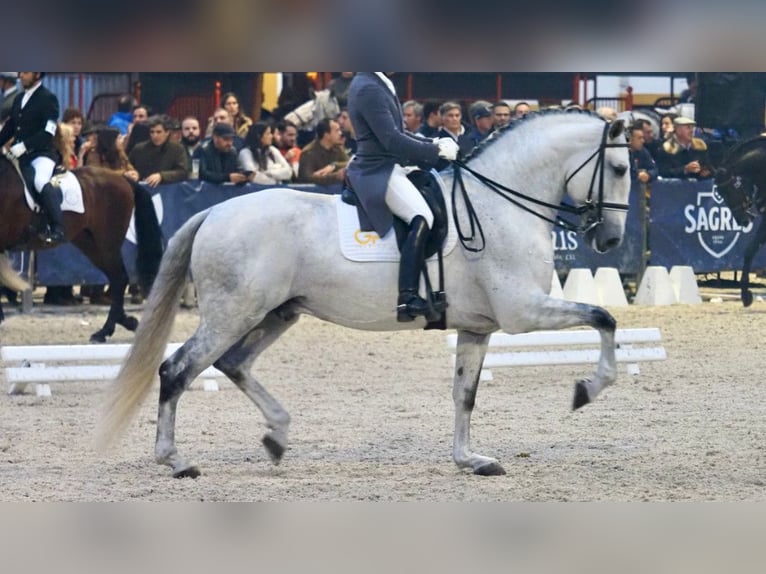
(412, 306)
(50, 236)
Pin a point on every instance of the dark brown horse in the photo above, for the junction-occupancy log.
(741, 182)
(99, 233)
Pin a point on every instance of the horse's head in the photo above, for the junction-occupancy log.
(598, 180)
(739, 192)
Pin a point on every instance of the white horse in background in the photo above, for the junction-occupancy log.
(261, 260)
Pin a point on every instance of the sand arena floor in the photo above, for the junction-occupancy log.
(373, 419)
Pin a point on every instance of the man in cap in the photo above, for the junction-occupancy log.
(217, 157)
(683, 155)
(8, 91)
(481, 114)
(32, 125)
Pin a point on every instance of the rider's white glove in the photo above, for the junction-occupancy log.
(17, 150)
(448, 148)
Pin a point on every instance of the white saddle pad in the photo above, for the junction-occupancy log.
(366, 246)
(70, 189)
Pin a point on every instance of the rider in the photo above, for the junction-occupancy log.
(381, 182)
(32, 124)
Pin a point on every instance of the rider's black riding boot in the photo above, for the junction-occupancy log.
(50, 199)
(410, 304)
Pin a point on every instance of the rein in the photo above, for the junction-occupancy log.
(510, 194)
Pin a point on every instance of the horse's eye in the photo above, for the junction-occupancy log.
(620, 170)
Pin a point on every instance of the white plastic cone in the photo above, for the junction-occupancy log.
(684, 283)
(581, 287)
(656, 288)
(609, 286)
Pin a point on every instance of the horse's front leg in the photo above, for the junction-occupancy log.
(752, 248)
(471, 348)
(554, 314)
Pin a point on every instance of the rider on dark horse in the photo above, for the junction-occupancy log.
(381, 183)
(32, 125)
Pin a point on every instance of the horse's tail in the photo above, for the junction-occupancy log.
(9, 277)
(148, 238)
(142, 363)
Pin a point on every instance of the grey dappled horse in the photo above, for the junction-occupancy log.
(262, 260)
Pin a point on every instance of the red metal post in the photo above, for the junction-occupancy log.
(137, 91)
(499, 87)
(217, 95)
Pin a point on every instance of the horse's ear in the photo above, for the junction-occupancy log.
(616, 129)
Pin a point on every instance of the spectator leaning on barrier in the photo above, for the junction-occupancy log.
(159, 160)
(190, 134)
(217, 157)
(324, 161)
(264, 164)
(287, 145)
(642, 165)
(683, 155)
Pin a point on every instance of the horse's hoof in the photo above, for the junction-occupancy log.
(747, 298)
(581, 397)
(130, 323)
(191, 472)
(276, 451)
(490, 469)
(98, 338)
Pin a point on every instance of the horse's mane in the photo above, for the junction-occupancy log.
(739, 150)
(530, 117)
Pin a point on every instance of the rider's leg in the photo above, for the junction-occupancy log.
(50, 199)
(406, 202)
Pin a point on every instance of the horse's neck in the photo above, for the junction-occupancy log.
(529, 172)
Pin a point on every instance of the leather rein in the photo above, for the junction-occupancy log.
(594, 210)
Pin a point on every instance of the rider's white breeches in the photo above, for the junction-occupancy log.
(44, 167)
(404, 200)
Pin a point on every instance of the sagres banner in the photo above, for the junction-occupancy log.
(691, 225)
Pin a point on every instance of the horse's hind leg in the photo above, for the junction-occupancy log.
(214, 337)
(111, 263)
(237, 363)
(471, 349)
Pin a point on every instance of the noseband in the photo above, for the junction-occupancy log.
(592, 210)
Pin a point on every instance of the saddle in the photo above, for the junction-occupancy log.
(429, 188)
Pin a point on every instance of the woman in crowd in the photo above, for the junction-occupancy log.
(242, 123)
(65, 144)
(263, 162)
(110, 154)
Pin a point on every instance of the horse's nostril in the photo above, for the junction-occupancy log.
(610, 244)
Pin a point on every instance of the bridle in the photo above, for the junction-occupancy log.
(749, 203)
(591, 211)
